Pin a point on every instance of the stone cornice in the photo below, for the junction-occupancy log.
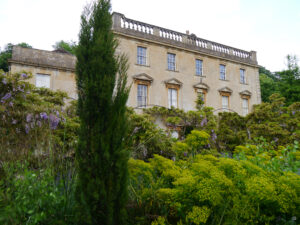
(133, 29)
(41, 65)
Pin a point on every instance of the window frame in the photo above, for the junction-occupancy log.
(199, 72)
(247, 98)
(171, 62)
(222, 97)
(141, 57)
(37, 75)
(170, 102)
(242, 76)
(222, 72)
(145, 97)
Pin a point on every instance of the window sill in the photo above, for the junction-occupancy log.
(142, 65)
(176, 71)
(223, 80)
(199, 76)
(244, 83)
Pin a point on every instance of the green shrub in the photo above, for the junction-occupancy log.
(210, 190)
(36, 197)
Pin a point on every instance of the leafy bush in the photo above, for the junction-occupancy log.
(36, 197)
(210, 190)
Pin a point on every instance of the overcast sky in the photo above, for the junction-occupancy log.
(270, 27)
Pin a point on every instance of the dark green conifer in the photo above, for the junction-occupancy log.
(102, 95)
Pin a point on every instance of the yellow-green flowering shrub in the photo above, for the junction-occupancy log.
(208, 190)
(198, 215)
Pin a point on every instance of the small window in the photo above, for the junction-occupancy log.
(141, 55)
(42, 80)
(199, 67)
(222, 72)
(245, 106)
(242, 76)
(172, 97)
(171, 61)
(142, 95)
(225, 102)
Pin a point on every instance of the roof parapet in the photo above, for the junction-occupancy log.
(136, 28)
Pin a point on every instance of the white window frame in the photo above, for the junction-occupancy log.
(141, 55)
(225, 106)
(172, 97)
(222, 72)
(42, 80)
(199, 67)
(245, 106)
(171, 58)
(142, 95)
(242, 76)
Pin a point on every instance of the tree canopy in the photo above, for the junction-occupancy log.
(69, 46)
(7, 53)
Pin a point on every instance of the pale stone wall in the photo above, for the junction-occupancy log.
(134, 34)
(185, 73)
(159, 42)
(59, 66)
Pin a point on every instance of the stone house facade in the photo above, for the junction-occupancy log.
(166, 68)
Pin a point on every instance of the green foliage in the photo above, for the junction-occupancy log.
(231, 131)
(289, 81)
(286, 82)
(69, 46)
(196, 140)
(210, 190)
(7, 53)
(146, 138)
(35, 197)
(32, 120)
(270, 157)
(101, 154)
(203, 119)
(274, 121)
(36, 146)
(268, 86)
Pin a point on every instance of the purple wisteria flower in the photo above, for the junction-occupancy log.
(276, 139)
(4, 81)
(185, 154)
(29, 117)
(39, 123)
(24, 75)
(293, 112)
(27, 128)
(6, 96)
(203, 122)
(43, 116)
(213, 136)
(11, 104)
(54, 121)
(14, 121)
(21, 89)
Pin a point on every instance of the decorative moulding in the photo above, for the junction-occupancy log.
(143, 77)
(225, 89)
(245, 93)
(201, 86)
(173, 81)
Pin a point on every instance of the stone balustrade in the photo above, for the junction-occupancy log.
(140, 29)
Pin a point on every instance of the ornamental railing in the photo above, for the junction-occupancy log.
(191, 41)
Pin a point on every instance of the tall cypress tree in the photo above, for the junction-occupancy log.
(102, 95)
